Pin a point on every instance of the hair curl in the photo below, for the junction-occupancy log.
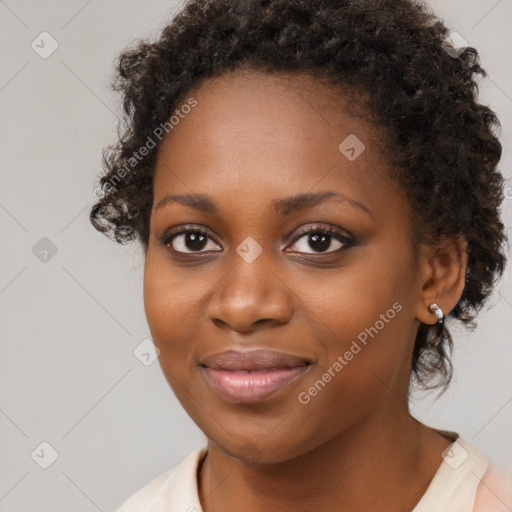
(440, 141)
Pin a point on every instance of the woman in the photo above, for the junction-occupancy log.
(315, 188)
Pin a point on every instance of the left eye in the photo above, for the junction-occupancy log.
(320, 240)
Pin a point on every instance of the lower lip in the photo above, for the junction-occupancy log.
(248, 387)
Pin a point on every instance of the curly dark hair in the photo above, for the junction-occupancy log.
(440, 142)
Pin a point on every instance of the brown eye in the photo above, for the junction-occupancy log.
(321, 240)
(189, 241)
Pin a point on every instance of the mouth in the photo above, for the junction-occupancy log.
(253, 376)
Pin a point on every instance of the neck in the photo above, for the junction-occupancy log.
(385, 462)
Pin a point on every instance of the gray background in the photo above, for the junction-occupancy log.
(69, 325)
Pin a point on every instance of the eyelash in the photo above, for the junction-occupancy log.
(318, 229)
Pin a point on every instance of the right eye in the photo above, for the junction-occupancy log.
(188, 240)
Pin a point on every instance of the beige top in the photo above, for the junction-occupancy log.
(459, 485)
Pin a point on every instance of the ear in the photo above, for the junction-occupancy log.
(443, 267)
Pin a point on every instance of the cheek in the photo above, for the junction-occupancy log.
(365, 368)
(175, 305)
(165, 305)
(361, 296)
(366, 341)
(167, 313)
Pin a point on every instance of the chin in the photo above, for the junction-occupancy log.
(254, 450)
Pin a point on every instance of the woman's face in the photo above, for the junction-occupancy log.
(339, 306)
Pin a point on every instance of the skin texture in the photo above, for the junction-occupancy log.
(251, 139)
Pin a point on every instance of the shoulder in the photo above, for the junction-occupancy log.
(494, 492)
(169, 488)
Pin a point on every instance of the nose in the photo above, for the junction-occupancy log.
(249, 295)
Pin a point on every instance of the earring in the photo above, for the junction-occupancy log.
(435, 309)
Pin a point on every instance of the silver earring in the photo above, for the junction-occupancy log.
(435, 309)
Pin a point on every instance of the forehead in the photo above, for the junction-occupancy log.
(253, 133)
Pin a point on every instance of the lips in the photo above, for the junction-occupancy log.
(252, 376)
(252, 360)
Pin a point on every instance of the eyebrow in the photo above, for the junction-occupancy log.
(284, 206)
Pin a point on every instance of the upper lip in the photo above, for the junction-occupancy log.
(252, 360)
